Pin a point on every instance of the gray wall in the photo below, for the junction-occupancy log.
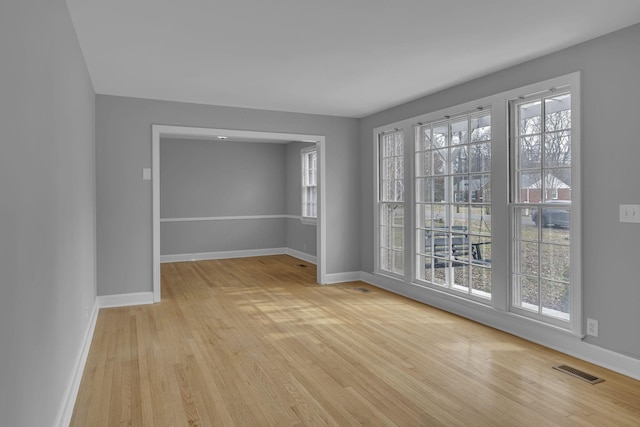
(123, 148)
(300, 236)
(610, 173)
(47, 208)
(215, 178)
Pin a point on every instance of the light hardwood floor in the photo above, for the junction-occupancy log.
(255, 342)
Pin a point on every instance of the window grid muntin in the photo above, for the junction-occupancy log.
(544, 171)
(443, 160)
(391, 203)
(309, 183)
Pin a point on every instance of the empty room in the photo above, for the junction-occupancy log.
(319, 213)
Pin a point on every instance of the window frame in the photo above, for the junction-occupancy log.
(305, 154)
(571, 85)
(380, 203)
(451, 202)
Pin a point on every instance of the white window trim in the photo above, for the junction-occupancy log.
(304, 152)
(575, 323)
(500, 205)
(407, 139)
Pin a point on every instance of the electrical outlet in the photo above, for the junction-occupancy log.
(592, 327)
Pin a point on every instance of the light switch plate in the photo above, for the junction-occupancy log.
(146, 174)
(630, 213)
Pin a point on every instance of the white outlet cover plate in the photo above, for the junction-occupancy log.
(630, 213)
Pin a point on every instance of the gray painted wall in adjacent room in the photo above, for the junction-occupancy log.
(123, 148)
(300, 236)
(47, 209)
(220, 236)
(211, 178)
(610, 173)
(221, 179)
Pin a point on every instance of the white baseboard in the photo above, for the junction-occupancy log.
(301, 255)
(349, 276)
(65, 412)
(202, 256)
(550, 337)
(125, 300)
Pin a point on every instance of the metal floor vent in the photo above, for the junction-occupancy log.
(363, 290)
(301, 265)
(578, 374)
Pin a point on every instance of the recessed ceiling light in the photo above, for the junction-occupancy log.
(222, 137)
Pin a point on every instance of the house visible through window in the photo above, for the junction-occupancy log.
(309, 183)
(542, 194)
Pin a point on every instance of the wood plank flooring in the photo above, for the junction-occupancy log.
(255, 342)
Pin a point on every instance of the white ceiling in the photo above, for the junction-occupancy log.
(337, 57)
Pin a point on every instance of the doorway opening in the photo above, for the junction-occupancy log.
(198, 133)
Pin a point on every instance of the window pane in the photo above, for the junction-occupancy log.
(424, 142)
(528, 263)
(480, 221)
(461, 277)
(440, 135)
(481, 250)
(424, 268)
(423, 190)
(530, 118)
(525, 228)
(439, 216)
(423, 164)
(529, 293)
(399, 168)
(388, 146)
(399, 144)
(481, 281)
(557, 113)
(459, 131)
(423, 216)
(399, 190)
(439, 276)
(386, 169)
(459, 160)
(461, 188)
(555, 299)
(530, 152)
(385, 239)
(480, 160)
(558, 218)
(461, 217)
(554, 262)
(557, 149)
(440, 189)
(440, 161)
(398, 238)
(398, 262)
(480, 186)
(481, 128)
(530, 185)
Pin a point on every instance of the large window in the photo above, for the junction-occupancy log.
(487, 209)
(542, 161)
(391, 202)
(309, 183)
(453, 203)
